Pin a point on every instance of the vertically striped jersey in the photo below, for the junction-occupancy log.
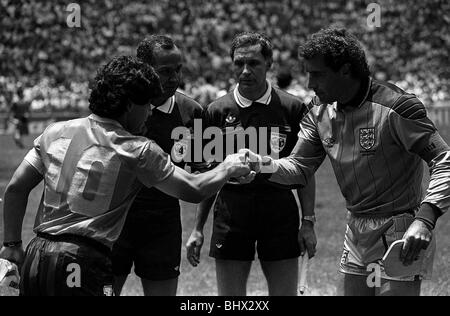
(375, 148)
(92, 170)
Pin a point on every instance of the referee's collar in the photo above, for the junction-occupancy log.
(243, 102)
(166, 107)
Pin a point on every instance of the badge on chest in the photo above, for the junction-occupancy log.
(367, 138)
(277, 141)
(180, 150)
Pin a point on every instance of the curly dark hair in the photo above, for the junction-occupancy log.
(253, 38)
(146, 48)
(120, 81)
(338, 47)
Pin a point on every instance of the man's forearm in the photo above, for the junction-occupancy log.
(307, 197)
(203, 212)
(286, 171)
(196, 188)
(13, 214)
(297, 169)
(437, 200)
(209, 183)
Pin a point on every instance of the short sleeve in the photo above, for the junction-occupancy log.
(34, 156)
(154, 165)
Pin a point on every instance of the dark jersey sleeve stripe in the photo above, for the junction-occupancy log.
(409, 107)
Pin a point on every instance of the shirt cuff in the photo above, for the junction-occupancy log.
(429, 214)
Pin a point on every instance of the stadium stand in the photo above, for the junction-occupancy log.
(54, 62)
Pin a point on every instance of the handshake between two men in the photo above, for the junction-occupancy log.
(247, 165)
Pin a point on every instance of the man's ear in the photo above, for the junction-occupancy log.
(346, 70)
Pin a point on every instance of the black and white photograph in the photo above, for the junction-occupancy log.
(224, 153)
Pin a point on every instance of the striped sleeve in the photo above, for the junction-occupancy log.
(438, 192)
(409, 125)
(416, 133)
(305, 159)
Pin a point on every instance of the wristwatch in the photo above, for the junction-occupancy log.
(311, 219)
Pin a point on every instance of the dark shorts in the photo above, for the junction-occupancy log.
(66, 266)
(263, 220)
(151, 240)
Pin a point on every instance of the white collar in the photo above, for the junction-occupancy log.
(166, 107)
(243, 102)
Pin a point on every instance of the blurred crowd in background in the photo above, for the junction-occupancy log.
(53, 63)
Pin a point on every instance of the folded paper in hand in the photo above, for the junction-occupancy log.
(9, 274)
(394, 267)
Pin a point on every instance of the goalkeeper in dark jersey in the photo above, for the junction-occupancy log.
(377, 137)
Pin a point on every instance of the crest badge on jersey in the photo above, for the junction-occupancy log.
(277, 142)
(180, 150)
(367, 138)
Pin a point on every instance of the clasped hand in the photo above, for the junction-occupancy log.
(244, 166)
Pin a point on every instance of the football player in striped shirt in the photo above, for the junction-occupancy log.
(151, 238)
(261, 216)
(92, 169)
(377, 137)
